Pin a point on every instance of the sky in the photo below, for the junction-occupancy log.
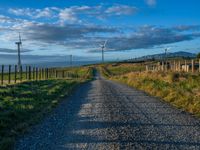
(132, 28)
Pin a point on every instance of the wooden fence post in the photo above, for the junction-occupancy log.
(179, 66)
(29, 72)
(15, 73)
(36, 73)
(33, 73)
(42, 73)
(9, 71)
(2, 74)
(162, 66)
(26, 72)
(21, 73)
(185, 69)
(56, 73)
(45, 73)
(192, 65)
(49, 73)
(47, 76)
(39, 72)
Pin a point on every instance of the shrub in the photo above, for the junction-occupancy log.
(174, 77)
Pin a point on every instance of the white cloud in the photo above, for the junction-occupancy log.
(121, 10)
(151, 2)
(67, 15)
(46, 12)
(74, 13)
(21, 12)
(33, 13)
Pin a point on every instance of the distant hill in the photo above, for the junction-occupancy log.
(180, 54)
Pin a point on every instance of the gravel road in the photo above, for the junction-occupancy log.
(106, 115)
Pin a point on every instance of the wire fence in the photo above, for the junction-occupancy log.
(11, 74)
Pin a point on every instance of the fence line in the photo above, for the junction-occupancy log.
(176, 66)
(32, 74)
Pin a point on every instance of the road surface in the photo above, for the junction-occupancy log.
(106, 115)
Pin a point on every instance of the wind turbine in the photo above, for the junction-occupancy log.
(102, 48)
(19, 44)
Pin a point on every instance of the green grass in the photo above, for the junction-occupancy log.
(24, 104)
(180, 89)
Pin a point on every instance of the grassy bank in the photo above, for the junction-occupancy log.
(22, 105)
(180, 89)
(111, 70)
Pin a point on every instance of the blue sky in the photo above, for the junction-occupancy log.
(133, 28)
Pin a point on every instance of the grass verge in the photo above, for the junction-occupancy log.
(180, 89)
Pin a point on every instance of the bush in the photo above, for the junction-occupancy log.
(174, 77)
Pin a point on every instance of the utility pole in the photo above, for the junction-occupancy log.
(19, 43)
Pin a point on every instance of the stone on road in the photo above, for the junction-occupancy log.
(103, 114)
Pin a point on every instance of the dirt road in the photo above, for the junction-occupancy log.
(106, 115)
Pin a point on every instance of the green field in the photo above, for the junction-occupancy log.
(26, 103)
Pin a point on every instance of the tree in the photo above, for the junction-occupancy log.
(198, 55)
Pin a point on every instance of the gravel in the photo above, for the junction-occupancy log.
(103, 114)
